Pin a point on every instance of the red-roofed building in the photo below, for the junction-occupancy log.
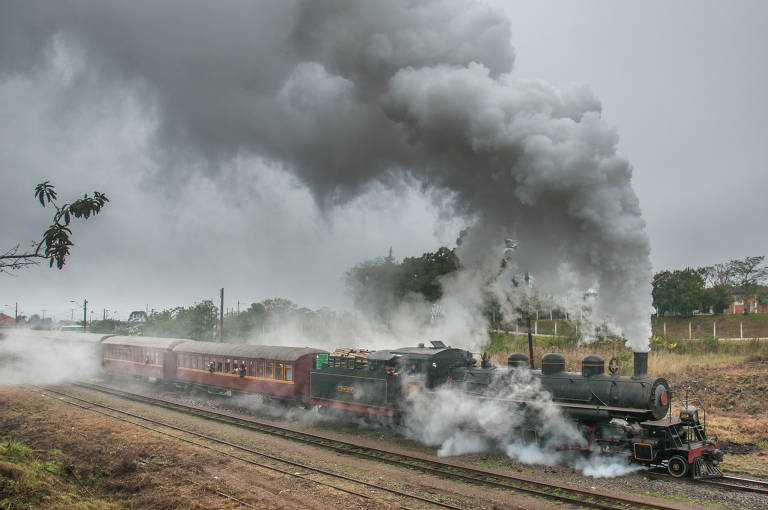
(6, 321)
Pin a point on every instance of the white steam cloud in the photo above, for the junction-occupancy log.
(498, 421)
(349, 94)
(32, 357)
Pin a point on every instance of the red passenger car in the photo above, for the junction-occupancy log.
(281, 372)
(152, 358)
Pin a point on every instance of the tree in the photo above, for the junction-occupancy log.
(379, 285)
(747, 276)
(197, 322)
(421, 275)
(719, 278)
(679, 291)
(373, 285)
(717, 298)
(56, 240)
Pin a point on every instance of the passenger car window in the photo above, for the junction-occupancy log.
(250, 368)
(289, 372)
(269, 369)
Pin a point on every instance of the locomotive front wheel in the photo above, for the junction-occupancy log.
(677, 466)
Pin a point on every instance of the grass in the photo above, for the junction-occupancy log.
(665, 357)
(751, 464)
(684, 499)
(29, 479)
(754, 325)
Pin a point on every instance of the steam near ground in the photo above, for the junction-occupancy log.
(498, 421)
(30, 357)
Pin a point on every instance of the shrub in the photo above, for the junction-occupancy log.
(710, 343)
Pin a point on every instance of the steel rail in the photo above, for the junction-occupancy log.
(760, 486)
(549, 490)
(239, 447)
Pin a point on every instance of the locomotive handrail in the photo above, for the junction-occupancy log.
(684, 402)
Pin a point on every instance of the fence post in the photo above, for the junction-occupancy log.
(689, 330)
(665, 328)
(741, 330)
(555, 328)
(714, 329)
(536, 327)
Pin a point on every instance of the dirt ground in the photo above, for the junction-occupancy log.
(103, 463)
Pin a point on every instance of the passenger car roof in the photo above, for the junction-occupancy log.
(247, 351)
(148, 342)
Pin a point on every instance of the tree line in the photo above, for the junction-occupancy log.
(683, 291)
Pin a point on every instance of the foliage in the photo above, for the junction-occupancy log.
(378, 286)
(718, 298)
(197, 322)
(56, 240)
(108, 326)
(659, 343)
(677, 292)
(421, 275)
(710, 343)
(748, 275)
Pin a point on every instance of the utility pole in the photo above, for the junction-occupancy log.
(44, 310)
(221, 317)
(16, 316)
(85, 314)
(528, 322)
(530, 339)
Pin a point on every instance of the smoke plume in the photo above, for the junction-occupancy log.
(345, 95)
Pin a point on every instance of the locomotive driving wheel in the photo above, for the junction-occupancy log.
(677, 466)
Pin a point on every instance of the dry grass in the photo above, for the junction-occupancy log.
(664, 360)
(756, 465)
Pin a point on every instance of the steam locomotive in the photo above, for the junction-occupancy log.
(629, 416)
(619, 415)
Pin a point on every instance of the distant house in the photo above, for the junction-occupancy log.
(6, 321)
(757, 303)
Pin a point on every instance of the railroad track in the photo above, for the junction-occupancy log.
(728, 482)
(108, 410)
(515, 483)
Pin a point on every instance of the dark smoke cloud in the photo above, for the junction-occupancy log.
(345, 94)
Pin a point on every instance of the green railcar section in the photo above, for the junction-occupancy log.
(349, 386)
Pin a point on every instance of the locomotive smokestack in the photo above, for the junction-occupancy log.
(641, 365)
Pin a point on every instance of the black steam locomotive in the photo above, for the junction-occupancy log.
(619, 415)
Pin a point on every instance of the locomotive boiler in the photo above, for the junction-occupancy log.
(590, 396)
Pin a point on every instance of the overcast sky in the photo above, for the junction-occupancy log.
(684, 83)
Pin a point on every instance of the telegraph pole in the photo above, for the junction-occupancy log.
(530, 338)
(16, 316)
(221, 317)
(85, 314)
